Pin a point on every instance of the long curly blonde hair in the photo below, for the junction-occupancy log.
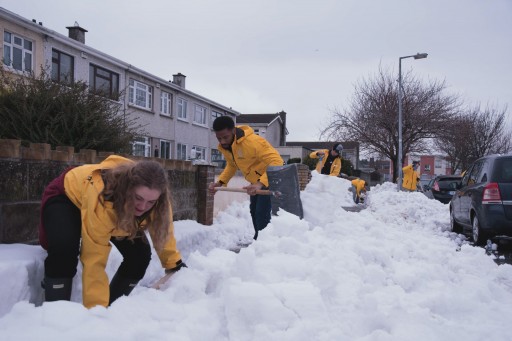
(120, 184)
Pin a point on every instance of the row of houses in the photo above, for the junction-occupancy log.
(177, 121)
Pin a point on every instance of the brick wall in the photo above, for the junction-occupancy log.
(27, 170)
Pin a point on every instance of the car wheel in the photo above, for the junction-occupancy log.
(455, 227)
(479, 238)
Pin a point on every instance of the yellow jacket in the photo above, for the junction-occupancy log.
(83, 185)
(251, 154)
(359, 185)
(336, 164)
(410, 179)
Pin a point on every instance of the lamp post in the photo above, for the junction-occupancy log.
(399, 161)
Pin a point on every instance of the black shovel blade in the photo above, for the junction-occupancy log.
(285, 181)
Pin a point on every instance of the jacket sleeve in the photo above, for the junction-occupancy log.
(229, 171)
(313, 155)
(270, 157)
(169, 255)
(94, 256)
(336, 168)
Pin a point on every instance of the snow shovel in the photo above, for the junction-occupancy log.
(162, 281)
(283, 189)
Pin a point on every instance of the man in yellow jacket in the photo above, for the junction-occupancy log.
(329, 162)
(358, 186)
(251, 154)
(411, 177)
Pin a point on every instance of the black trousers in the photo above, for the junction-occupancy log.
(261, 208)
(63, 225)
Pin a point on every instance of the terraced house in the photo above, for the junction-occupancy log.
(177, 121)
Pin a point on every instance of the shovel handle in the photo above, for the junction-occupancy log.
(241, 190)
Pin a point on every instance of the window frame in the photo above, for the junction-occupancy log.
(200, 115)
(182, 108)
(113, 80)
(140, 94)
(199, 149)
(165, 149)
(181, 151)
(25, 51)
(58, 62)
(216, 155)
(144, 142)
(166, 103)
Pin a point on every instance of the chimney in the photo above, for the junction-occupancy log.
(77, 33)
(179, 79)
(283, 130)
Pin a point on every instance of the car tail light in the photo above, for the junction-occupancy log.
(491, 192)
(436, 186)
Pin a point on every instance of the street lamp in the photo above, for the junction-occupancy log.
(399, 161)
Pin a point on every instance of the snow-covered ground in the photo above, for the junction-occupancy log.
(389, 272)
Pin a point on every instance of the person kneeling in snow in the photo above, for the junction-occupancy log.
(115, 202)
(329, 161)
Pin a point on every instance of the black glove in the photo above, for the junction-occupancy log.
(179, 264)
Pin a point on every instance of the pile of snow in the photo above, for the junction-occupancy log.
(390, 272)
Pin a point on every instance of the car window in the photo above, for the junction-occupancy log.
(465, 178)
(474, 175)
(503, 170)
(448, 184)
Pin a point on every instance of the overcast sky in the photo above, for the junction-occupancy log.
(303, 57)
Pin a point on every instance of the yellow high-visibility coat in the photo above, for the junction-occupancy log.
(251, 154)
(411, 178)
(335, 166)
(83, 186)
(359, 184)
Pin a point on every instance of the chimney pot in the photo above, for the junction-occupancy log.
(77, 33)
(179, 79)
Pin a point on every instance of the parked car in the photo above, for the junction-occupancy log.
(425, 180)
(442, 187)
(483, 203)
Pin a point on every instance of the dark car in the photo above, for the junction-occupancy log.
(442, 187)
(483, 203)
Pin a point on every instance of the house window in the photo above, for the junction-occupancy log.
(17, 52)
(182, 108)
(200, 115)
(427, 168)
(198, 153)
(215, 114)
(140, 94)
(438, 163)
(103, 82)
(62, 67)
(216, 155)
(181, 151)
(141, 147)
(165, 149)
(165, 103)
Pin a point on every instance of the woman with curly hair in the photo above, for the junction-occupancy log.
(90, 207)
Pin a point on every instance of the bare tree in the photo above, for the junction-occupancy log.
(475, 133)
(372, 117)
(453, 142)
